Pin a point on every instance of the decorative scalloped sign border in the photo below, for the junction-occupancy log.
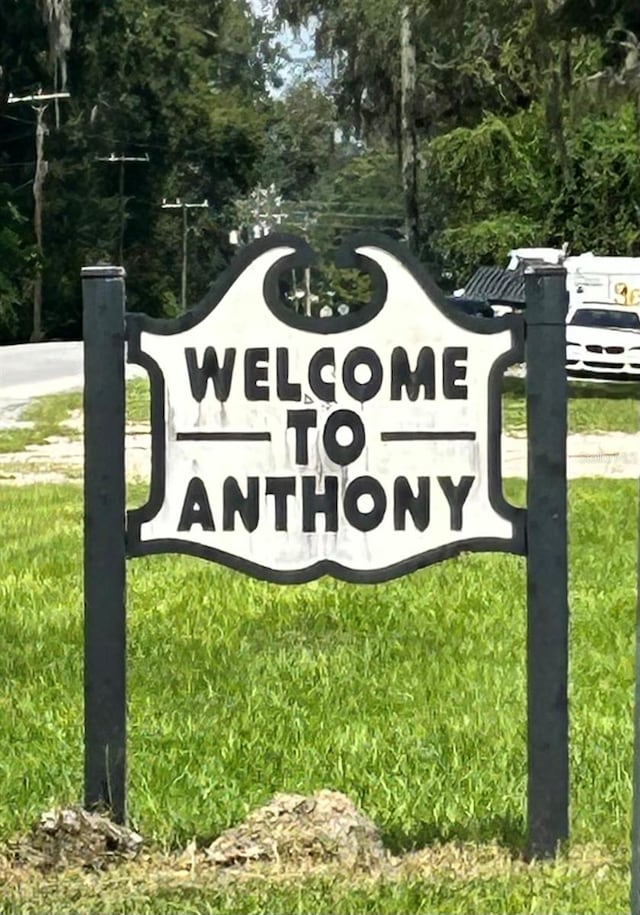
(363, 446)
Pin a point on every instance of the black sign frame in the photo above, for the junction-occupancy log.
(545, 537)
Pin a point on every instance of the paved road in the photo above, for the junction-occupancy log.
(33, 369)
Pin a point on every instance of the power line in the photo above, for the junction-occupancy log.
(348, 214)
(11, 117)
(14, 190)
(21, 136)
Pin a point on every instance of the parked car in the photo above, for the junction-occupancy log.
(476, 307)
(603, 340)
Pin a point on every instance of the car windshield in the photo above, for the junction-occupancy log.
(602, 317)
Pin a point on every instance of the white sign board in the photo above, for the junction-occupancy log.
(362, 446)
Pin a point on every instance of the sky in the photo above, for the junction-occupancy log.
(299, 46)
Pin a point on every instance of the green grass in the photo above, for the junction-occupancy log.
(557, 889)
(138, 400)
(49, 416)
(593, 406)
(407, 696)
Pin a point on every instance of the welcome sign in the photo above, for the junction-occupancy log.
(361, 446)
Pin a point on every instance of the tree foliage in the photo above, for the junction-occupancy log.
(185, 85)
(18, 262)
(527, 117)
(495, 187)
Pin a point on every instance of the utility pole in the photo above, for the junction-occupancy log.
(307, 273)
(185, 207)
(122, 161)
(39, 105)
(408, 139)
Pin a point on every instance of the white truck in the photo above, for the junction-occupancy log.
(590, 277)
(603, 320)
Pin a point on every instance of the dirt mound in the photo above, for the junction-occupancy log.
(292, 829)
(72, 837)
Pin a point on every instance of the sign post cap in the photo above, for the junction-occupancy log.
(102, 270)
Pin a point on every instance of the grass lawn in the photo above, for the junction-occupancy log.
(49, 416)
(408, 696)
(134, 891)
(593, 407)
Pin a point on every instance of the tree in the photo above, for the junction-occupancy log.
(616, 23)
(57, 17)
(17, 264)
(409, 70)
(301, 145)
(181, 83)
(494, 187)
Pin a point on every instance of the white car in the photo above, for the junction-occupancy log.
(603, 339)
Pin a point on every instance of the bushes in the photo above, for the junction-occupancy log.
(499, 185)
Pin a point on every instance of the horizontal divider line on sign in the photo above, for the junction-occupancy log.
(223, 437)
(428, 436)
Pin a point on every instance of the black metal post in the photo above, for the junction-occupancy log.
(547, 598)
(104, 540)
